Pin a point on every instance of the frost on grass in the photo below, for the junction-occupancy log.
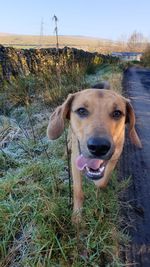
(35, 214)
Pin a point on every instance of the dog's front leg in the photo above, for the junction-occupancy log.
(78, 196)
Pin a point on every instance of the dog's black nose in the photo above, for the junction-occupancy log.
(98, 147)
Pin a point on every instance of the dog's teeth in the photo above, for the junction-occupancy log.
(102, 169)
(87, 168)
(96, 172)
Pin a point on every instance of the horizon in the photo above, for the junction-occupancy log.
(60, 35)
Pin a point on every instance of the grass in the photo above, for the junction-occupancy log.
(35, 203)
(111, 73)
(35, 217)
(103, 46)
(50, 86)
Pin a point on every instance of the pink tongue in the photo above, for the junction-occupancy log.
(82, 162)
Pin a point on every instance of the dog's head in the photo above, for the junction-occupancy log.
(98, 119)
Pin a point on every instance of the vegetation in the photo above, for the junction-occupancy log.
(47, 63)
(88, 44)
(146, 57)
(47, 74)
(35, 197)
(51, 89)
(136, 42)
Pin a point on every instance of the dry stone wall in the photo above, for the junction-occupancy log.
(22, 62)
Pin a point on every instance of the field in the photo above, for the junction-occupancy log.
(35, 187)
(85, 43)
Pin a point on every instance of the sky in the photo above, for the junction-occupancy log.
(108, 19)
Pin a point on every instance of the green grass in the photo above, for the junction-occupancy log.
(35, 218)
(35, 205)
(35, 214)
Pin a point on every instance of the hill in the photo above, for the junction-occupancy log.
(86, 43)
(90, 44)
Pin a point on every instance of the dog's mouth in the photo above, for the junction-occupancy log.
(94, 169)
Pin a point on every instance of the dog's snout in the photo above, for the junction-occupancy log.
(98, 147)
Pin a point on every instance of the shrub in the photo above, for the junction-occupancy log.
(146, 56)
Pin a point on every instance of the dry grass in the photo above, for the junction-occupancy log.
(111, 73)
(86, 43)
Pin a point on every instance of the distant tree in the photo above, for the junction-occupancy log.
(135, 42)
(122, 42)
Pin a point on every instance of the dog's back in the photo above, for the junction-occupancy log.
(102, 85)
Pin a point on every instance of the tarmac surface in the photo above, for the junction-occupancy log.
(135, 163)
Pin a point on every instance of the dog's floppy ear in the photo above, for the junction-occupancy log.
(130, 118)
(56, 122)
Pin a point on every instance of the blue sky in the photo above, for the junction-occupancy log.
(96, 18)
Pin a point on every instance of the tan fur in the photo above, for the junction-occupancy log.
(100, 104)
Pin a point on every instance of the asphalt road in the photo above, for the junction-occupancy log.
(136, 163)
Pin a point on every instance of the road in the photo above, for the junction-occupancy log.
(136, 163)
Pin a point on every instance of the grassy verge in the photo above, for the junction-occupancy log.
(35, 204)
(35, 216)
(111, 73)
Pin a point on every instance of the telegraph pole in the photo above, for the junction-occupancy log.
(58, 69)
(56, 32)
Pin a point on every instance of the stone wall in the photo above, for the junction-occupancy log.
(22, 62)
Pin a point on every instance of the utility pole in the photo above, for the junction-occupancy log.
(58, 69)
(56, 32)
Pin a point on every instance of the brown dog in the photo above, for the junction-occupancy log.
(97, 119)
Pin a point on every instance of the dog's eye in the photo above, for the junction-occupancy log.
(82, 112)
(117, 114)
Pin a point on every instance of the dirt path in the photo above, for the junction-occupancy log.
(136, 162)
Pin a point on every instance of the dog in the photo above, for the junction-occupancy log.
(98, 119)
(102, 85)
